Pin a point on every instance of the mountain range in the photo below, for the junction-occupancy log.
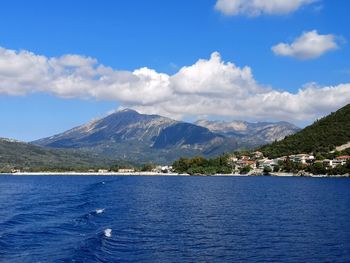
(251, 134)
(136, 137)
(127, 136)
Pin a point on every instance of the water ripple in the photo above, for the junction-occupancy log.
(174, 219)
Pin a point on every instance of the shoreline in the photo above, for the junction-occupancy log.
(166, 174)
(95, 174)
(116, 174)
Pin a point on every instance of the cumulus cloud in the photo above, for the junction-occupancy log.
(309, 45)
(208, 87)
(259, 7)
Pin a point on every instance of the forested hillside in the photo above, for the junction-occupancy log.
(19, 155)
(320, 137)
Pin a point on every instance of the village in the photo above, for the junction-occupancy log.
(239, 163)
(257, 164)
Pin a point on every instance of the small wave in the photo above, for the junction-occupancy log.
(99, 211)
(108, 232)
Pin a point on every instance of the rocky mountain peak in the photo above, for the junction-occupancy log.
(129, 134)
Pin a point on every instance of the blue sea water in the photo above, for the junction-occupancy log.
(174, 219)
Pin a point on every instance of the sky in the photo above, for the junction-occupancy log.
(64, 63)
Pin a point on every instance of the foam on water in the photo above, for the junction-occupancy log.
(99, 211)
(207, 219)
(107, 232)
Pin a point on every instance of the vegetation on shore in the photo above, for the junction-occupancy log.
(317, 168)
(223, 165)
(201, 165)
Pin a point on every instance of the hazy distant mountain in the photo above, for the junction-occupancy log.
(251, 134)
(130, 135)
(20, 155)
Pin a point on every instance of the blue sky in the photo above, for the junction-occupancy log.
(165, 36)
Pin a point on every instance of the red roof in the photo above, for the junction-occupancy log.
(343, 157)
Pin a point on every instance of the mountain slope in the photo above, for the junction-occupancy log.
(322, 136)
(14, 154)
(251, 134)
(125, 125)
(183, 134)
(130, 135)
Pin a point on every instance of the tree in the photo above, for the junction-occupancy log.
(147, 167)
(115, 167)
(245, 169)
(288, 165)
(276, 168)
(319, 156)
(267, 170)
(317, 168)
(181, 165)
(347, 165)
(340, 169)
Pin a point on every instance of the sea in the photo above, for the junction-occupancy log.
(174, 219)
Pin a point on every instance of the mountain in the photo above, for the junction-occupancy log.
(322, 136)
(127, 134)
(184, 134)
(20, 155)
(251, 134)
(122, 126)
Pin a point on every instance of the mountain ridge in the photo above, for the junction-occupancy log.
(127, 134)
(323, 136)
(252, 133)
(21, 155)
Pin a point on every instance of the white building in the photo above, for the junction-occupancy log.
(333, 163)
(267, 163)
(302, 158)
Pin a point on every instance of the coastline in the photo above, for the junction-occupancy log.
(166, 174)
(95, 174)
(116, 174)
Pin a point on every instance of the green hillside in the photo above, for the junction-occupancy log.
(320, 137)
(25, 156)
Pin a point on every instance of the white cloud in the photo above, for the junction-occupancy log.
(259, 7)
(208, 87)
(309, 45)
(213, 76)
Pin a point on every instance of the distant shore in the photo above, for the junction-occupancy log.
(99, 173)
(167, 174)
(116, 174)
